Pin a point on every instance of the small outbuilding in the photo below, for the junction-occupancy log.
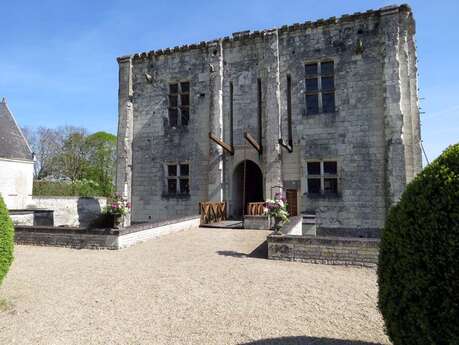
(16, 162)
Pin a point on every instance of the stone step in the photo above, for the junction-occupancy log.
(309, 224)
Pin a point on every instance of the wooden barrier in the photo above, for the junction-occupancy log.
(212, 212)
(255, 208)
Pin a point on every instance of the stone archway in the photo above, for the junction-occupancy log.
(253, 186)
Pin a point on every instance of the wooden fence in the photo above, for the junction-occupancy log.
(212, 212)
(255, 208)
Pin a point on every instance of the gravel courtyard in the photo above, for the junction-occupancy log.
(194, 287)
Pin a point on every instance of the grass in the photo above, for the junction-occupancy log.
(5, 305)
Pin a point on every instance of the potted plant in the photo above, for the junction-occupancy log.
(277, 209)
(117, 208)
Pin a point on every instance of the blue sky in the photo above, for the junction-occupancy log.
(58, 66)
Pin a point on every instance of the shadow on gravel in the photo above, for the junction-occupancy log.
(260, 252)
(307, 341)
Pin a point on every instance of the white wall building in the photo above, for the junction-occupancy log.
(16, 162)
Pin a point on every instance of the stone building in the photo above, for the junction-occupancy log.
(16, 162)
(328, 110)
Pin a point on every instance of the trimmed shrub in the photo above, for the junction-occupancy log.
(84, 188)
(6, 240)
(418, 272)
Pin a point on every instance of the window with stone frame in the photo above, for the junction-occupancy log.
(179, 104)
(322, 177)
(320, 87)
(178, 178)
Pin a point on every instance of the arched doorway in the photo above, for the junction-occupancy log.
(253, 186)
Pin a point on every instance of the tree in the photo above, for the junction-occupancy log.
(6, 240)
(101, 158)
(68, 153)
(418, 271)
(46, 143)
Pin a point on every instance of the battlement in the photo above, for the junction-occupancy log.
(247, 34)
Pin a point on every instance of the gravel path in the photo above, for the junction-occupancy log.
(193, 287)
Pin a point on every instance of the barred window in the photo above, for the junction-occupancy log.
(320, 87)
(179, 104)
(178, 179)
(322, 177)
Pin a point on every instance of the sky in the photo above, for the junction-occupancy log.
(58, 58)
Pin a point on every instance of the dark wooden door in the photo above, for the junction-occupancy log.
(292, 202)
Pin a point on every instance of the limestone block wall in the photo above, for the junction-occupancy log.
(16, 182)
(324, 250)
(71, 211)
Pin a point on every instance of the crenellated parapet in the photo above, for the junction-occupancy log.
(263, 34)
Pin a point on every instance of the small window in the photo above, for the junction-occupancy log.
(327, 68)
(185, 87)
(312, 103)
(172, 186)
(184, 169)
(322, 178)
(172, 170)
(185, 116)
(330, 168)
(320, 87)
(178, 179)
(173, 89)
(311, 69)
(328, 83)
(179, 104)
(184, 186)
(173, 117)
(184, 100)
(328, 102)
(313, 168)
(312, 84)
(314, 185)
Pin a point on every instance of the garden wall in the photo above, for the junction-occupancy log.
(71, 211)
(325, 250)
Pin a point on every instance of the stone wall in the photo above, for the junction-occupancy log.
(294, 226)
(100, 238)
(257, 222)
(373, 134)
(71, 211)
(324, 250)
(16, 182)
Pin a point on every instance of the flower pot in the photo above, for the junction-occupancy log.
(277, 225)
(117, 221)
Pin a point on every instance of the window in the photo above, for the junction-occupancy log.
(320, 87)
(178, 179)
(179, 104)
(322, 178)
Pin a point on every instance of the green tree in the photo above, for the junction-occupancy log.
(101, 158)
(6, 240)
(72, 160)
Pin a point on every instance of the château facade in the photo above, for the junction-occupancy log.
(325, 110)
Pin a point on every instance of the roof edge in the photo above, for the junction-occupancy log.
(237, 36)
(18, 127)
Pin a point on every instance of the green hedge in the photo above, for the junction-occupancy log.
(86, 188)
(418, 272)
(6, 240)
